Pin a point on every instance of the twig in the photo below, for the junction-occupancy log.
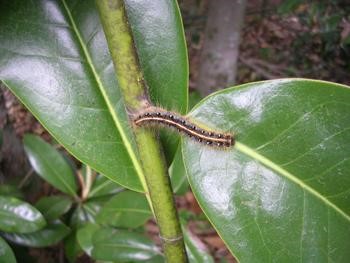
(26, 177)
(88, 182)
(81, 180)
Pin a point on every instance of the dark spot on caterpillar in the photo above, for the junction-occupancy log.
(170, 119)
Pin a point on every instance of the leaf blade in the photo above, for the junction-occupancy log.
(50, 164)
(52, 207)
(121, 245)
(170, 87)
(108, 100)
(127, 210)
(84, 236)
(18, 216)
(77, 98)
(196, 250)
(6, 253)
(266, 187)
(50, 235)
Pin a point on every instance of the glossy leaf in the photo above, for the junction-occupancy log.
(52, 207)
(86, 233)
(86, 213)
(121, 245)
(196, 250)
(6, 253)
(177, 174)
(127, 209)
(84, 236)
(54, 58)
(156, 259)
(53, 233)
(72, 248)
(19, 217)
(50, 164)
(281, 193)
(79, 217)
(11, 190)
(160, 43)
(177, 170)
(103, 186)
(94, 206)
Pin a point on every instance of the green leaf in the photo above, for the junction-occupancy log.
(49, 164)
(103, 186)
(72, 248)
(196, 250)
(19, 217)
(11, 190)
(127, 209)
(94, 206)
(54, 58)
(177, 174)
(161, 46)
(88, 211)
(78, 217)
(53, 233)
(6, 253)
(84, 236)
(121, 245)
(282, 192)
(85, 213)
(156, 259)
(160, 43)
(52, 207)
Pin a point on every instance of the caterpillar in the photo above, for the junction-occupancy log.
(154, 116)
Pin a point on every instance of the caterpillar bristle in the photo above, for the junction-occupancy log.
(154, 116)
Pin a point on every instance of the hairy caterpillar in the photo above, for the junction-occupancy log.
(153, 116)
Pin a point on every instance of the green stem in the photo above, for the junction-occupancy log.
(132, 85)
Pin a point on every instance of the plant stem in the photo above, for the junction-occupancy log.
(88, 183)
(131, 82)
(26, 177)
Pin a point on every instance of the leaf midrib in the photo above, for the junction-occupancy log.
(116, 121)
(100, 187)
(268, 163)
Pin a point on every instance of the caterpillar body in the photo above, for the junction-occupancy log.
(157, 116)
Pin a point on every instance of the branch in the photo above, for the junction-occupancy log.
(134, 91)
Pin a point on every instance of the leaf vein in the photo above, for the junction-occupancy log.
(268, 163)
